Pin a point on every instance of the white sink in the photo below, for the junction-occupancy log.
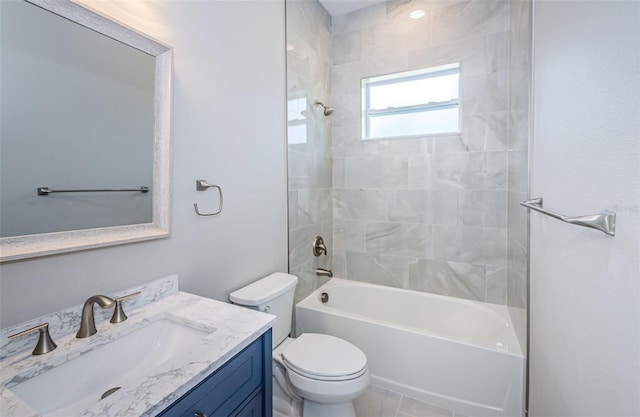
(80, 382)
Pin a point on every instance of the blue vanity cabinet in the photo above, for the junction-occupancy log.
(241, 387)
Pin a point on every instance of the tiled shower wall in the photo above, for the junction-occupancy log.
(436, 214)
(309, 159)
(429, 214)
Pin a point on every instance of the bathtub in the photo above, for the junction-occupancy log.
(457, 354)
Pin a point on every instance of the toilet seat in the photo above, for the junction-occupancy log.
(324, 358)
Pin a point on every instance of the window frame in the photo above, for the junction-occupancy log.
(404, 76)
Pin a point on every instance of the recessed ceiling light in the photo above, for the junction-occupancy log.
(290, 47)
(417, 14)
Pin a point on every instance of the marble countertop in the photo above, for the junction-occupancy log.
(235, 328)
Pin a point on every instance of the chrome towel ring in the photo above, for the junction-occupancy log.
(203, 185)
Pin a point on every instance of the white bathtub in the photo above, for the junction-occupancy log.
(458, 354)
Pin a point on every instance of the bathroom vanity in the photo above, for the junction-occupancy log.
(177, 354)
(239, 388)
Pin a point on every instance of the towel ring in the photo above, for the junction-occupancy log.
(203, 185)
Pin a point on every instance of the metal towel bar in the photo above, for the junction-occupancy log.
(605, 220)
(47, 190)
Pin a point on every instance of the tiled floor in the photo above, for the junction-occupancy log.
(377, 402)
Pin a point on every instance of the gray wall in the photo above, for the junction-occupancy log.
(228, 128)
(429, 214)
(310, 176)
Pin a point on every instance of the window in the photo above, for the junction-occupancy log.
(414, 103)
(296, 120)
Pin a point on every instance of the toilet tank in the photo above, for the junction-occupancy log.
(271, 294)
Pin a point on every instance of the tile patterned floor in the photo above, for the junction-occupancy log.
(378, 402)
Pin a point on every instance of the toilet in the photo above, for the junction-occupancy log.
(314, 375)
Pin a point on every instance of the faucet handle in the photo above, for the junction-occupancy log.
(319, 247)
(118, 313)
(45, 343)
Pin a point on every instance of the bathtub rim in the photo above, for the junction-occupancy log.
(312, 302)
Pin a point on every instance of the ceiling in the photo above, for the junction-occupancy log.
(337, 7)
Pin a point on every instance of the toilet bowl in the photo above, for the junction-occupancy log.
(315, 375)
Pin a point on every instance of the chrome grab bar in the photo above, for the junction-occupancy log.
(605, 220)
(47, 190)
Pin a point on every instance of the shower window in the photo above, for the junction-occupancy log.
(413, 103)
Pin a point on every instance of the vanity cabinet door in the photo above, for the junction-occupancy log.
(234, 389)
(252, 408)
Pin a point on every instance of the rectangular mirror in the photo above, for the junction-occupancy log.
(84, 132)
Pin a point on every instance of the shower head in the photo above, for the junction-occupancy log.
(327, 110)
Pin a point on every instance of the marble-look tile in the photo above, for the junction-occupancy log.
(517, 218)
(468, 19)
(455, 279)
(408, 206)
(474, 128)
(306, 278)
(495, 246)
(309, 21)
(344, 134)
(423, 206)
(497, 169)
(377, 172)
(307, 170)
(292, 202)
(346, 78)
(419, 171)
(347, 47)
(313, 206)
(338, 173)
(483, 208)
(517, 291)
(359, 204)
(298, 170)
(470, 53)
(496, 132)
(346, 109)
(349, 235)
(518, 129)
(476, 245)
(498, 52)
(387, 270)
(517, 258)
(340, 263)
(359, 19)
(300, 244)
(458, 171)
(484, 93)
(415, 408)
(401, 8)
(518, 168)
(497, 284)
(468, 141)
(393, 147)
(377, 402)
(403, 239)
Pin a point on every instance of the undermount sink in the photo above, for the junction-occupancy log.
(82, 381)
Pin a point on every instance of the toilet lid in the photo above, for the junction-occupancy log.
(321, 356)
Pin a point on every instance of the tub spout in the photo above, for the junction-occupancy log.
(321, 272)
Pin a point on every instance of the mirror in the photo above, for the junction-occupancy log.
(85, 131)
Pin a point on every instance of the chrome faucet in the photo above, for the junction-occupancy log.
(87, 321)
(321, 272)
